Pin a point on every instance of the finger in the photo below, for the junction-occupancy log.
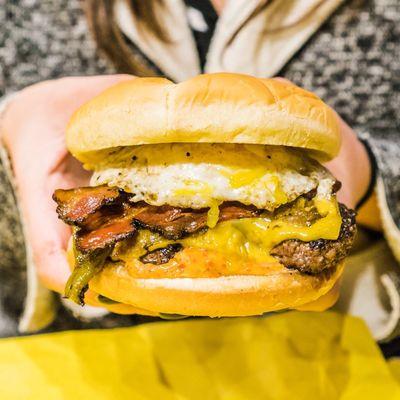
(51, 266)
(46, 234)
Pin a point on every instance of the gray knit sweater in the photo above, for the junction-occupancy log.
(352, 62)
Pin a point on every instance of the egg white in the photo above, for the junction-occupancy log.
(199, 175)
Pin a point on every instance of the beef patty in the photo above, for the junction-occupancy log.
(318, 255)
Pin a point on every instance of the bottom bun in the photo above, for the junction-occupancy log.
(92, 299)
(227, 296)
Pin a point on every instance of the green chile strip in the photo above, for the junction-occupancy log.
(87, 266)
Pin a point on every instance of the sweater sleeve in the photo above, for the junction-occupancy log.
(386, 150)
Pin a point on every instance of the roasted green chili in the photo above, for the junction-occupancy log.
(86, 267)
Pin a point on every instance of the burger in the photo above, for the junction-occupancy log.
(208, 198)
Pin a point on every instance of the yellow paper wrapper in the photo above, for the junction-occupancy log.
(283, 356)
(394, 365)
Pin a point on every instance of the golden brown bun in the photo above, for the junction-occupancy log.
(210, 108)
(321, 304)
(215, 297)
(92, 299)
(324, 302)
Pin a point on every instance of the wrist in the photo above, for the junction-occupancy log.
(373, 172)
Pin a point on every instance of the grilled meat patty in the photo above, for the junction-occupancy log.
(105, 216)
(318, 255)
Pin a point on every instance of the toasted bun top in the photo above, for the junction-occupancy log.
(210, 108)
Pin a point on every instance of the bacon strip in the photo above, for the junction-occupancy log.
(117, 229)
(75, 205)
(175, 223)
(236, 210)
(171, 222)
(105, 216)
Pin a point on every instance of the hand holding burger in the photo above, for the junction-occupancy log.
(206, 197)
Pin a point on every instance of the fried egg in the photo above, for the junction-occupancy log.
(200, 175)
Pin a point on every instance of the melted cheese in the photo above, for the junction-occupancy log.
(213, 214)
(244, 244)
(279, 194)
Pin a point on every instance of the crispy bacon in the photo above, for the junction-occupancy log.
(75, 205)
(235, 210)
(113, 231)
(105, 216)
(175, 223)
(171, 222)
